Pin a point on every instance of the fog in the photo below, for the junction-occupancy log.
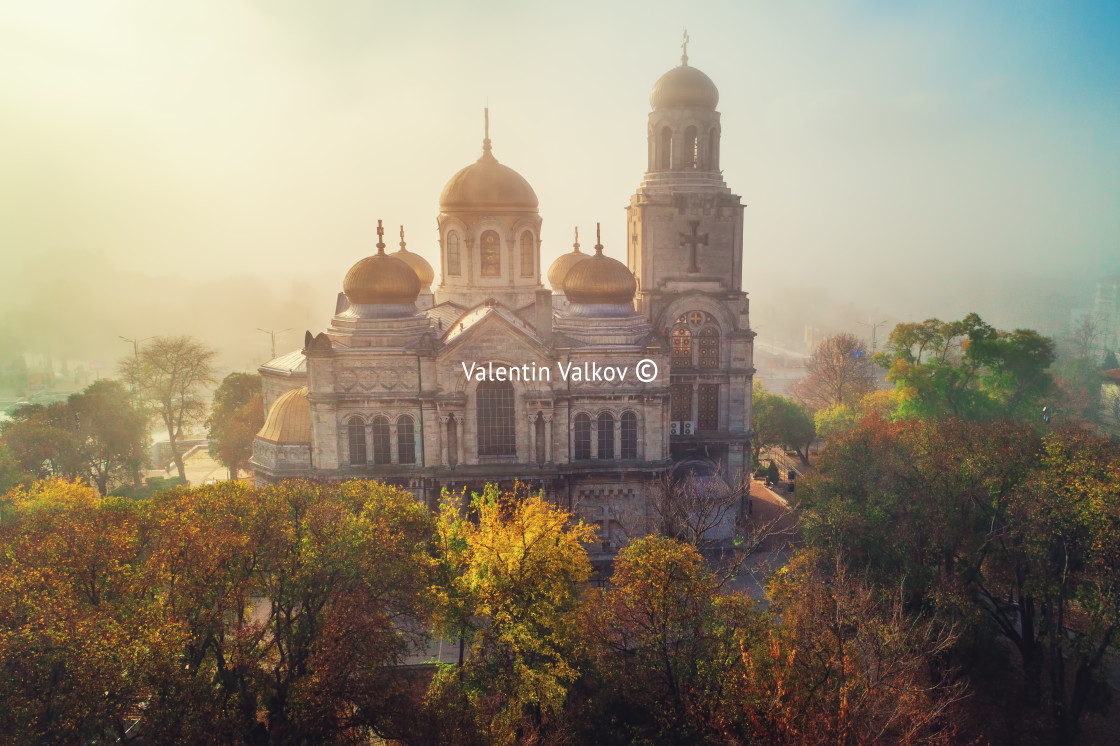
(215, 167)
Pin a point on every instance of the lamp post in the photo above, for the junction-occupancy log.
(874, 332)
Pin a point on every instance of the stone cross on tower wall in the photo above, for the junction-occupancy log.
(693, 241)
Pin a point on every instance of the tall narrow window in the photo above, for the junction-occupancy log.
(490, 254)
(606, 436)
(707, 408)
(691, 148)
(629, 435)
(496, 433)
(453, 265)
(527, 254)
(682, 347)
(382, 442)
(452, 441)
(665, 150)
(680, 405)
(713, 150)
(356, 435)
(539, 426)
(581, 437)
(709, 347)
(406, 441)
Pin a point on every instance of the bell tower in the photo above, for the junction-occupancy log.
(685, 247)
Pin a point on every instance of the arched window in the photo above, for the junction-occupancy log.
(356, 435)
(713, 150)
(709, 347)
(526, 254)
(496, 433)
(452, 441)
(629, 435)
(707, 406)
(691, 148)
(682, 347)
(539, 426)
(406, 440)
(382, 443)
(606, 436)
(680, 402)
(581, 437)
(665, 149)
(454, 268)
(490, 254)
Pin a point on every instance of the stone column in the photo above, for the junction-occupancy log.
(443, 439)
(532, 438)
(548, 438)
(459, 439)
(617, 438)
(393, 451)
(369, 444)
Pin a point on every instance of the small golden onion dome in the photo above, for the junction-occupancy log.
(600, 279)
(563, 264)
(487, 186)
(418, 263)
(381, 279)
(684, 87)
(289, 420)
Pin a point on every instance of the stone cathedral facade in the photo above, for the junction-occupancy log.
(494, 377)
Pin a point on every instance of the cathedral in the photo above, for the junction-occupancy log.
(588, 389)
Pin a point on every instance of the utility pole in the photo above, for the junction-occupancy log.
(135, 356)
(272, 335)
(874, 332)
(136, 345)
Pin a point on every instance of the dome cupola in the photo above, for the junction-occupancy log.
(418, 263)
(289, 419)
(599, 279)
(488, 186)
(684, 87)
(381, 279)
(563, 265)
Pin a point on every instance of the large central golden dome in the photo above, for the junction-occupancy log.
(488, 186)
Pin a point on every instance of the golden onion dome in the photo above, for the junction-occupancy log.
(381, 279)
(563, 264)
(289, 420)
(487, 186)
(684, 87)
(600, 279)
(418, 263)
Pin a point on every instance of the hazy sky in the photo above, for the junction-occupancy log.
(889, 153)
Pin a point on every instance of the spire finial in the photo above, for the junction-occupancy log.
(575, 246)
(598, 242)
(380, 238)
(402, 240)
(486, 131)
(684, 49)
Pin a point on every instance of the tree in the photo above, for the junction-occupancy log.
(509, 587)
(967, 369)
(1084, 337)
(96, 435)
(11, 475)
(299, 601)
(84, 639)
(839, 371)
(845, 663)
(170, 375)
(236, 416)
(663, 642)
(779, 421)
